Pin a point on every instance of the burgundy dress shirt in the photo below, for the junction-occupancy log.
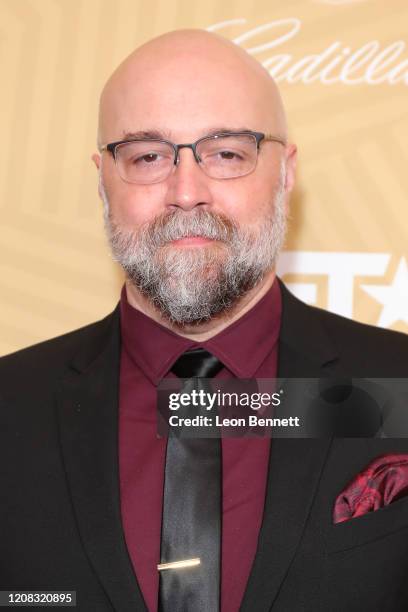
(248, 349)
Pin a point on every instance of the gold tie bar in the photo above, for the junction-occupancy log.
(179, 564)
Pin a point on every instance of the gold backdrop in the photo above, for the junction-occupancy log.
(343, 69)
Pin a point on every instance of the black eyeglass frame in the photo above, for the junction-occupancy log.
(259, 137)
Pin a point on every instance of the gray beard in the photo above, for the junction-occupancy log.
(192, 285)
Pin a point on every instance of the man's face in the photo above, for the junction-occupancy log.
(191, 243)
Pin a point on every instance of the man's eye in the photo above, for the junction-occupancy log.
(147, 158)
(228, 155)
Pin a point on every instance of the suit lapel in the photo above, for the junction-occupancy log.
(295, 465)
(88, 420)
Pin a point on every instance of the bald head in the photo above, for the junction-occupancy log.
(189, 81)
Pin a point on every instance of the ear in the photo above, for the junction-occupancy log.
(290, 163)
(96, 158)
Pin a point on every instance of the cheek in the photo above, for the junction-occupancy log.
(132, 205)
(246, 201)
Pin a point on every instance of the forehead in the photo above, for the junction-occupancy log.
(187, 101)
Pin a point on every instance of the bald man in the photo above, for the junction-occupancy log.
(195, 171)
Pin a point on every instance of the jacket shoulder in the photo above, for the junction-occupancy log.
(359, 342)
(359, 348)
(340, 326)
(50, 358)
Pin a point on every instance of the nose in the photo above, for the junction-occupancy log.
(188, 186)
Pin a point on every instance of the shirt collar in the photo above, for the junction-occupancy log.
(242, 346)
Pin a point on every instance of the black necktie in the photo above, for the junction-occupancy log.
(191, 525)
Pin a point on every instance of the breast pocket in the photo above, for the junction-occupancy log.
(369, 527)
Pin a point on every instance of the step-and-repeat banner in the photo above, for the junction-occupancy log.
(342, 66)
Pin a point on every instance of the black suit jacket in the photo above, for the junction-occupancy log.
(60, 511)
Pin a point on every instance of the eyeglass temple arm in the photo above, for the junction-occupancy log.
(270, 137)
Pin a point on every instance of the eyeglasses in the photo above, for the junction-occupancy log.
(222, 156)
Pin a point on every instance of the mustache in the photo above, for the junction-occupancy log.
(179, 224)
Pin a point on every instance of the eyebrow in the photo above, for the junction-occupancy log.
(165, 135)
(160, 135)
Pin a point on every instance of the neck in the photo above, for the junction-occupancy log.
(208, 329)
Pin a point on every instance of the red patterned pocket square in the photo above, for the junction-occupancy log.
(383, 481)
